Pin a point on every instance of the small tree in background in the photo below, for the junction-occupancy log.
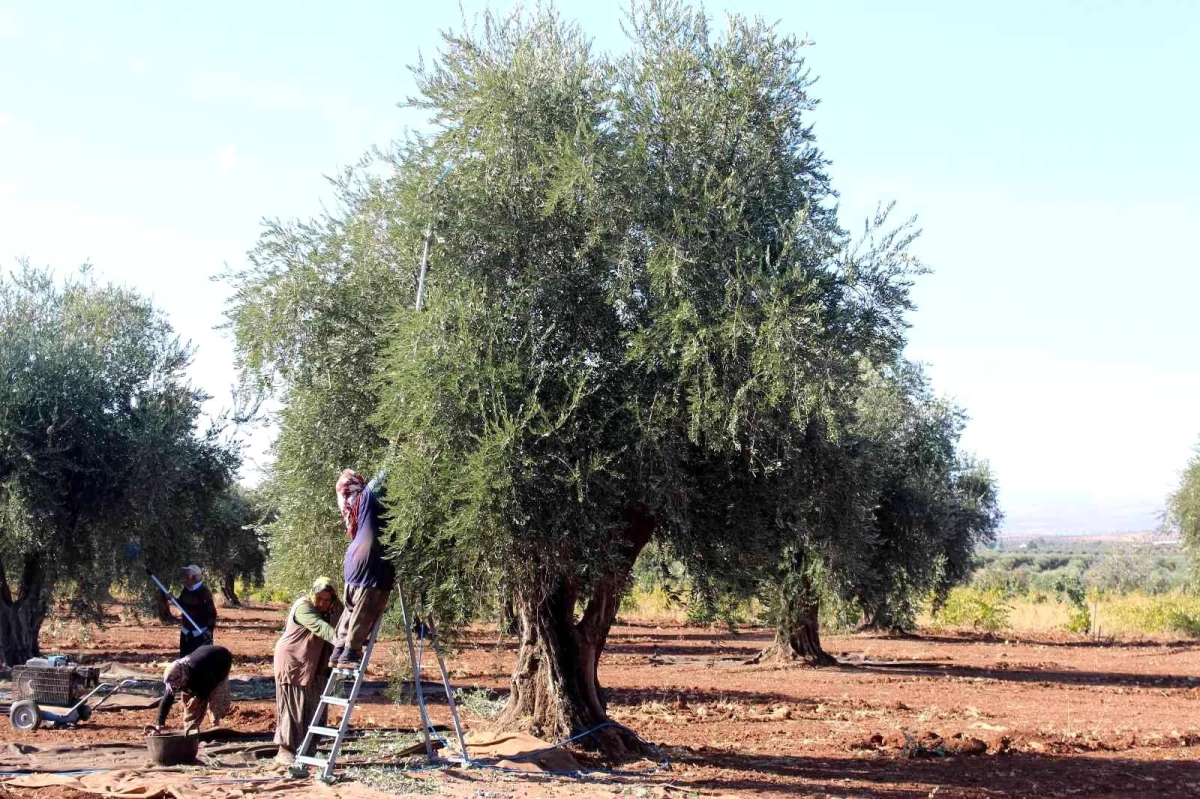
(233, 542)
(1183, 511)
(934, 505)
(893, 515)
(99, 453)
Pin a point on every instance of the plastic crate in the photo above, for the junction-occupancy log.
(53, 685)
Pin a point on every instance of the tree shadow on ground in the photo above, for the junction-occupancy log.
(631, 697)
(672, 649)
(1027, 640)
(1017, 673)
(144, 657)
(675, 634)
(1012, 774)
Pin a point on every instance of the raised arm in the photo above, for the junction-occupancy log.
(377, 480)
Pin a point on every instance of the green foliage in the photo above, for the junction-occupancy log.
(1171, 613)
(615, 323)
(1068, 568)
(1183, 510)
(232, 537)
(969, 607)
(1080, 620)
(931, 505)
(1124, 570)
(481, 702)
(308, 316)
(641, 313)
(99, 454)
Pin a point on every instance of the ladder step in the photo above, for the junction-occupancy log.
(320, 762)
(347, 672)
(328, 732)
(335, 700)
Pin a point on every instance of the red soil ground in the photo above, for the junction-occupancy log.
(946, 715)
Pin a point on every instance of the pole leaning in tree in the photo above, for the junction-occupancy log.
(424, 267)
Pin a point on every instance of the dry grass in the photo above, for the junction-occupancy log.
(1029, 616)
(1132, 616)
(652, 606)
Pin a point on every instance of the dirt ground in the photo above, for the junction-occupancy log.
(946, 715)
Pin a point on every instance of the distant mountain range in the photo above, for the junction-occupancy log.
(1082, 517)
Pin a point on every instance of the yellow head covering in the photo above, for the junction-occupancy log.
(321, 585)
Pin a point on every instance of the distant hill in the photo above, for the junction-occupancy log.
(1080, 516)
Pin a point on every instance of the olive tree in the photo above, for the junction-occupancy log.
(100, 452)
(642, 320)
(1183, 509)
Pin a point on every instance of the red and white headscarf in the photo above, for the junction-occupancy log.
(350, 486)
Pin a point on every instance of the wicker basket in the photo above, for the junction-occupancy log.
(53, 685)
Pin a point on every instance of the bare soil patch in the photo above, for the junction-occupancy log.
(946, 715)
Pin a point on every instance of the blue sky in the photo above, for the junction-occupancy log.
(1048, 149)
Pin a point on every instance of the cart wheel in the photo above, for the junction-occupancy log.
(25, 715)
(84, 712)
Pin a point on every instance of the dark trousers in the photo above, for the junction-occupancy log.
(364, 606)
(190, 643)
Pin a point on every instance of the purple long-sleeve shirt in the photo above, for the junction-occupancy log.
(366, 563)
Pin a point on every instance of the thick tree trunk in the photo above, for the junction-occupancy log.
(798, 629)
(229, 592)
(874, 623)
(21, 618)
(556, 690)
(162, 607)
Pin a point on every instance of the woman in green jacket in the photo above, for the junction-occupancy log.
(300, 656)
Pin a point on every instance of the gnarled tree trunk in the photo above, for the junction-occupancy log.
(21, 618)
(798, 628)
(555, 686)
(878, 621)
(229, 592)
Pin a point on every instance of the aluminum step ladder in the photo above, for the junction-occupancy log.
(337, 677)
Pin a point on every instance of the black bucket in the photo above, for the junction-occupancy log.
(173, 750)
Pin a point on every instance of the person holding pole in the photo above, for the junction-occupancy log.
(196, 604)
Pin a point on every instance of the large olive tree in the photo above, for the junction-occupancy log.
(642, 320)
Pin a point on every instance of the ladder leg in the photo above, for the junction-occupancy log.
(412, 659)
(359, 675)
(437, 650)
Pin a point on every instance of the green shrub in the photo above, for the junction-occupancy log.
(481, 702)
(1172, 613)
(1080, 621)
(970, 607)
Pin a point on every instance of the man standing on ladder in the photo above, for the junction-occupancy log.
(369, 576)
(369, 581)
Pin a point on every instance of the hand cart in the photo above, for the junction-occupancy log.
(59, 687)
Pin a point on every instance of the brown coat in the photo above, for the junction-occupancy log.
(302, 651)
